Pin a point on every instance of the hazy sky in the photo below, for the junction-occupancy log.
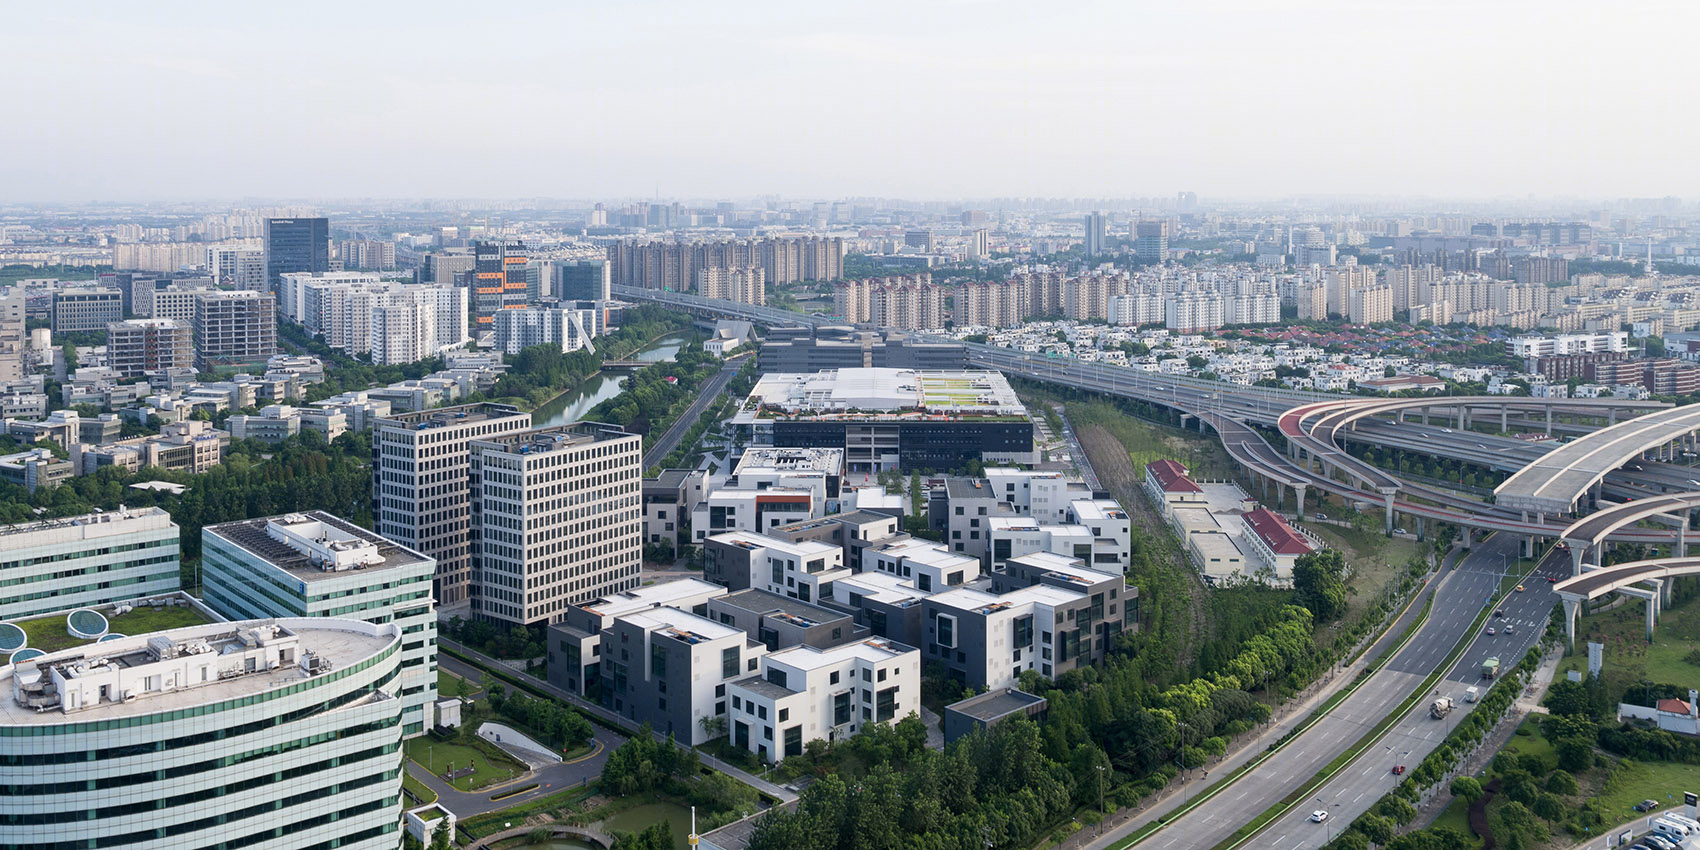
(916, 99)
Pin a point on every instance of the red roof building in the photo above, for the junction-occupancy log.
(1170, 477)
(1275, 542)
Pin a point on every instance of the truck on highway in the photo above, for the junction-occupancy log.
(1440, 708)
(1472, 693)
(1490, 668)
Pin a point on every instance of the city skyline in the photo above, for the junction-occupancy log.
(955, 99)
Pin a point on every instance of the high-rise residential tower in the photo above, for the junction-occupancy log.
(1094, 244)
(497, 281)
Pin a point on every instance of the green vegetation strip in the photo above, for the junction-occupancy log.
(1315, 717)
(489, 823)
(520, 682)
(514, 793)
(1369, 738)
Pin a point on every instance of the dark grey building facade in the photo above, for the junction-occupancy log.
(296, 245)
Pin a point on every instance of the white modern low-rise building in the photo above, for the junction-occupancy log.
(273, 734)
(805, 694)
(314, 564)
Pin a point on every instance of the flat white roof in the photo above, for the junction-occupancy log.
(680, 623)
(879, 587)
(968, 600)
(806, 657)
(1088, 509)
(640, 598)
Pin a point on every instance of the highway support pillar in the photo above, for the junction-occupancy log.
(1299, 494)
(1504, 420)
(1571, 603)
(1682, 537)
(1576, 553)
(1549, 422)
(1469, 537)
(1665, 597)
(1419, 521)
(1387, 505)
(1652, 614)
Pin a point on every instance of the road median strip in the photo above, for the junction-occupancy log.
(1316, 716)
(1262, 821)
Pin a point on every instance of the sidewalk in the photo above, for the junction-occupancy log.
(1287, 717)
(762, 785)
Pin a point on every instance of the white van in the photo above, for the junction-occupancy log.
(1670, 829)
(1692, 824)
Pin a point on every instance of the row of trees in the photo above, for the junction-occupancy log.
(541, 372)
(556, 722)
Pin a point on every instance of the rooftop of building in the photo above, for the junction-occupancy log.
(52, 633)
(335, 643)
(1091, 509)
(763, 688)
(1172, 477)
(462, 414)
(798, 613)
(829, 461)
(544, 440)
(680, 625)
(1027, 523)
(642, 598)
(882, 394)
(928, 553)
(958, 487)
(992, 705)
(314, 545)
(98, 524)
(669, 479)
(980, 602)
(878, 587)
(1275, 532)
(752, 540)
(805, 657)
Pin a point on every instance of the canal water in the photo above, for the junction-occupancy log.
(600, 387)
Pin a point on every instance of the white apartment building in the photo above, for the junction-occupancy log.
(362, 314)
(95, 559)
(517, 330)
(806, 694)
(743, 285)
(1142, 307)
(292, 726)
(318, 565)
(557, 520)
(1371, 305)
(1043, 495)
(1013, 536)
(1566, 344)
(422, 490)
(930, 566)
(672, 669)
(1195, 311)
(1258, 308)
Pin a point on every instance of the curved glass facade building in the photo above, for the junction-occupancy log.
(282, 733)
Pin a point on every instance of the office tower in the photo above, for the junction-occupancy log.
(497, 280)
(582, 280)
(557, 519)
(262, 733)
(138, 346)
(95, 559)
(973, 218)
(234, 329)
(237, 266)
(296, 245)
(422, 491)
(1094, 242)
(86, 309)
(1151, 240)
(571, 329)
(745, 286)
(314, 564)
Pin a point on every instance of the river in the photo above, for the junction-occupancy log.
(569, 406)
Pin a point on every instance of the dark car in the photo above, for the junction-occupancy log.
(1646, 805)
(1659, 842)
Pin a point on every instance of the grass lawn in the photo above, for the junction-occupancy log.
(48, 633)
(1376, 560)
(450, 685)
(1456, 816)
(1629, 657)
(420, 794)
(494, 766)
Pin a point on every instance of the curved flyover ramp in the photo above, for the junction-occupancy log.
(1657, 573)
(1553, 484)
(1592, 530)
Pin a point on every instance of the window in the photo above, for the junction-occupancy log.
(728, 662)
(885, 706)
(924, 582)
(881, 676)
(784, 715)
(794, 741)
(841, 709)
(737, 702)
(658, 660)
(776, 676)
(947, 631)
(833, 679)
(761, 712)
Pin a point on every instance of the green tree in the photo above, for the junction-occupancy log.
(1467, 788)
(1563, 782)
(1319, 584)
(1377, 829)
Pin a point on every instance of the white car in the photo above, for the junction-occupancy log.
(1319, 816)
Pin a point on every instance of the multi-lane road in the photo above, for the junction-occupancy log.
(1363, 782)
(1458, 600)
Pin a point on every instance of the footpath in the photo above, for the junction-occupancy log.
(1289, 716)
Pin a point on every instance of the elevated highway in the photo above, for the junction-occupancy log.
(1553, 484)
(1230, 409)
